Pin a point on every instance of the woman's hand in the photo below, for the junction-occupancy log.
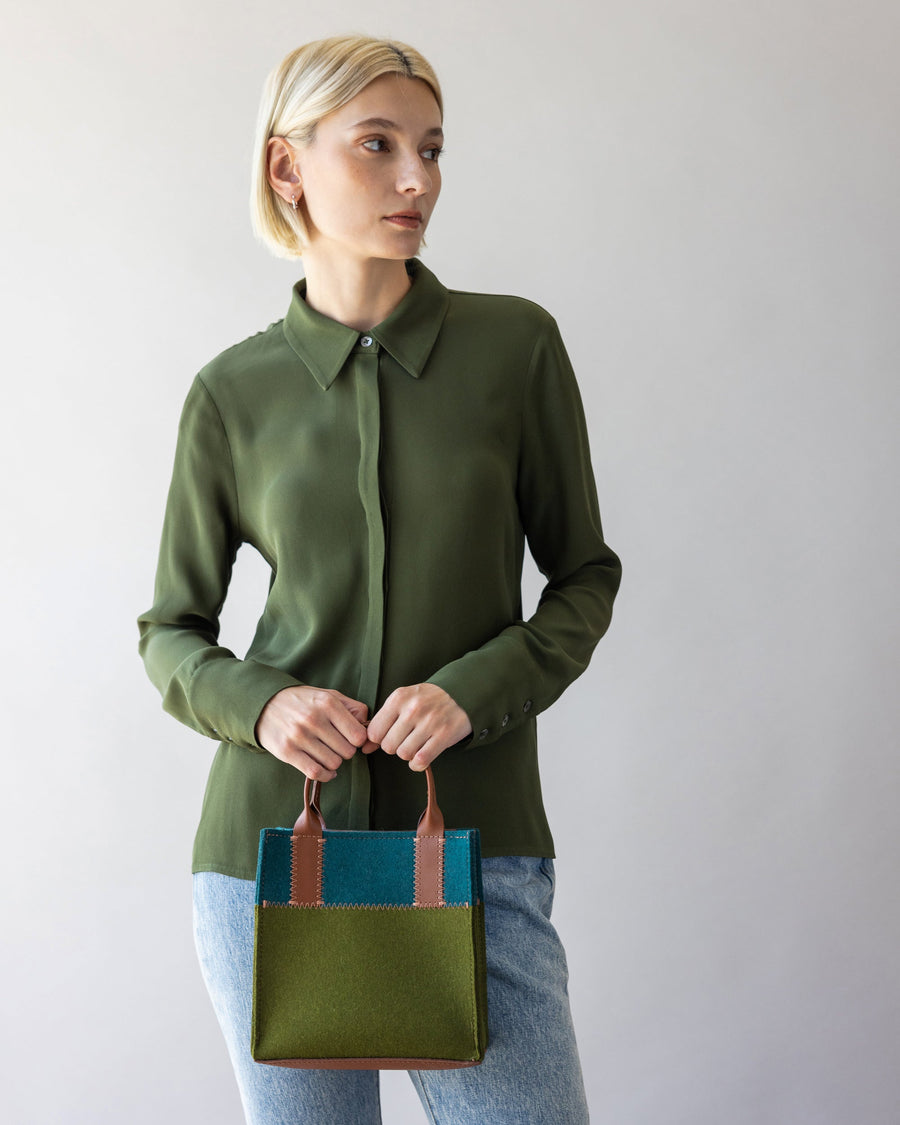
(417, 723)
(312, 729)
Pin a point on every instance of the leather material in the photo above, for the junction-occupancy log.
(431, 822)
(429, 871)
(306, 870)
(310, 822)
(372, 1064)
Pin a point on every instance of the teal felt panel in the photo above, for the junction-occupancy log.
(371, 868)
(368, 868)
(458, 881)
(273, 879)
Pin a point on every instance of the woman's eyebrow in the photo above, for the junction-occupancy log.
(383, 123)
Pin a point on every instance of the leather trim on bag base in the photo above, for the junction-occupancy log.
(371, 1064)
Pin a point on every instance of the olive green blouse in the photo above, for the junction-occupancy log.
(390, 479)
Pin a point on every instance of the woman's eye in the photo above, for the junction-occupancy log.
(379, 144)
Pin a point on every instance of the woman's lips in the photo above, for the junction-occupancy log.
(408, 222)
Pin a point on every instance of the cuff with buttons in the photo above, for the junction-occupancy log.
(505, 721)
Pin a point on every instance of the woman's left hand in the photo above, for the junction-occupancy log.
(417, 724)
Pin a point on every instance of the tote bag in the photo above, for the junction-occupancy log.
(369, 946)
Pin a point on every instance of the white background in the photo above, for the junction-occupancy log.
(705, 195)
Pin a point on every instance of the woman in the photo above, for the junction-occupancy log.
(388, 447)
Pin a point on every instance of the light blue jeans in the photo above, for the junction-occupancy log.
(531, 1074)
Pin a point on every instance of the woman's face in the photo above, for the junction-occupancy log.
(372, 158)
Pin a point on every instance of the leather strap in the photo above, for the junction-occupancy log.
(307, 843)
(372, 1064)
(306, 870)
(431, 822)
(306, 850)
(429, 869)
(310, 822)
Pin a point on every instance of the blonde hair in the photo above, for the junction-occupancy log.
(310, 82)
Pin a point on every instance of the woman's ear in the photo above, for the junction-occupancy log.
(280, 166)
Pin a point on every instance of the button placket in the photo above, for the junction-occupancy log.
(369, 425)
(366, 385)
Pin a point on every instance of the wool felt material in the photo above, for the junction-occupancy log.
(369, 946)
(369, 868)
(405, 982)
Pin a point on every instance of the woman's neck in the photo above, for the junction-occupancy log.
(358, 293)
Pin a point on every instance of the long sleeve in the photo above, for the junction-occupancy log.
(526, 667)
(202, 683)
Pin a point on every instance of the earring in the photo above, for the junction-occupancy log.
(294, 202)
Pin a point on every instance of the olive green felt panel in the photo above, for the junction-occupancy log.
(339, 982)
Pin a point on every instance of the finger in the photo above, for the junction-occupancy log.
(383, 719)
(320, 741)
(324, 754)
(408, 747)
(312, 766)
(404, 738)
(356, 707)
(333, 725)
(350, 725)
(424, 757)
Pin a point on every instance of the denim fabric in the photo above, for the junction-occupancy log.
(531, 1074)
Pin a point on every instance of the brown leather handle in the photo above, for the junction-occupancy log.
(310, 822)
(428, 887)
(307, 842)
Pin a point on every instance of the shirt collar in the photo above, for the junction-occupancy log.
(408, 333)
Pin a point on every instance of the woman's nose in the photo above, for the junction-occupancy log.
(413, 175)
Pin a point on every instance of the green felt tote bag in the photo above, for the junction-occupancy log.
(369, 946)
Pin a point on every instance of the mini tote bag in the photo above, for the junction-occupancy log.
(369, 946)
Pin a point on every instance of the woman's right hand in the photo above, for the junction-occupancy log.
(312, 729)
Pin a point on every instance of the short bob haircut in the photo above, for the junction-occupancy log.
(310, 82)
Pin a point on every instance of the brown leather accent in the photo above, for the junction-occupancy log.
(372, 1064)
(310, 822)
(429, 871)
(429, 864)
(306, 850)
(307, 843)
(306, 870)
(431, 822)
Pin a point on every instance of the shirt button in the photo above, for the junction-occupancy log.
(504, 721)
(526, 706)
(366, 341)
(484, 733)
